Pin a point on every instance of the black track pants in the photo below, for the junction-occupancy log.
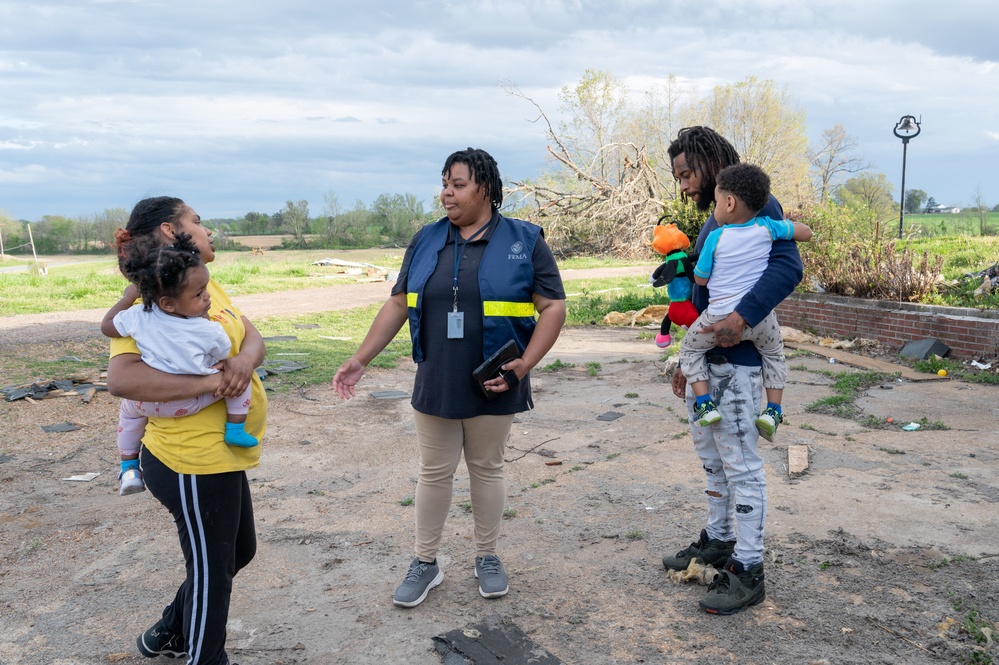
(214, 517)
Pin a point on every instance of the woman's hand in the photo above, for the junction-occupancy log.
(237, 372)
(679, 384)
(347, 377)
(511, 374)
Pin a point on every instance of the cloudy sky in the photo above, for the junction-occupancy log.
(241, 105)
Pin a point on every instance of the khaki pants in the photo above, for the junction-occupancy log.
(441, 442)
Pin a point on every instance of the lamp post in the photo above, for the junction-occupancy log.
(907, 128)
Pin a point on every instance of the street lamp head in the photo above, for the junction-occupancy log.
(907, 128)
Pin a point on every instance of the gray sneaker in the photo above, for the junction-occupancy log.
(705, 550)
(420, 579)
(493, 581)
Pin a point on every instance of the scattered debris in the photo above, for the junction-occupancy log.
(278, 366)
(653, 314)
(797, 459)
(305, 326)
(376, 273)
(924, 349)
(60, 427)
(610, 415)
(911, 427)
(492, 641)
(84, 477)
(281, 338)
(46, 389)
(975, 363)
(702, 573)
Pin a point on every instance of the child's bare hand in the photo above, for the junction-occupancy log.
(131, 292)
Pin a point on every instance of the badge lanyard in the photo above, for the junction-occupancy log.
(456, 319)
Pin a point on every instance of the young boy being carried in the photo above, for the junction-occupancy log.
(733, 257)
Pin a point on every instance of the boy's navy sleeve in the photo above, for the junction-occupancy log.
(776, 283)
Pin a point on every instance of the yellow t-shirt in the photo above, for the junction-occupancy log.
(195, 444)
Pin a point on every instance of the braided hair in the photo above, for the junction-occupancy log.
(483, 169)
(747, 182)
(707, 153)
(146, 218)
(158, 270)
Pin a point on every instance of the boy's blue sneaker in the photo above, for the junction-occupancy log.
(767, 423)
(706, 413)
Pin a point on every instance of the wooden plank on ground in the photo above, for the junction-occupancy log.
(797, 459)
(864, 362)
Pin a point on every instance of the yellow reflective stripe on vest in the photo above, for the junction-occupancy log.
(501, 308)
(411, 299)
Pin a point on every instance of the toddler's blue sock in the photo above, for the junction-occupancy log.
(701, 399)
(775, 407)
(127, 464)
(236, 435)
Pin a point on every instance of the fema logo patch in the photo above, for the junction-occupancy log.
(516, 252)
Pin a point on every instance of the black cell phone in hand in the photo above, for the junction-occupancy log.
(491, 368)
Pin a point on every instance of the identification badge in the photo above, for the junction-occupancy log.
(455, 325)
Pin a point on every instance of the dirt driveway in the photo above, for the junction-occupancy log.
(885, 551)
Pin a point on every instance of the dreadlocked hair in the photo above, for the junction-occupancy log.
(483, 169)
(747, 182)
(707, 153)
(158, 270)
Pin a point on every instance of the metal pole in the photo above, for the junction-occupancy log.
(901, 208)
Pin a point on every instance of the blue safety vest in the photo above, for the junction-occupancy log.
(506, 282)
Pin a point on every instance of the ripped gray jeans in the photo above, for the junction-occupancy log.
(736, 483)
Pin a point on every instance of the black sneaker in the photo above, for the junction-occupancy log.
(734, 589)
(705, 550)
(158, 641)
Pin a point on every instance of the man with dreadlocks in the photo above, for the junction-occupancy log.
(736, 488)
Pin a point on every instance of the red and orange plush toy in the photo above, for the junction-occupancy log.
(677, 274)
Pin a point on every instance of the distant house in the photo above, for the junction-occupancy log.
(943, 209)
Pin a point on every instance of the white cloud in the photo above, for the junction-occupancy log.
(244, 105)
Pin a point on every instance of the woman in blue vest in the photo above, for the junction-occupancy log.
(469, 283)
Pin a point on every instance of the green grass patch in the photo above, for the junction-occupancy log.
(314, 348)
(847, 386)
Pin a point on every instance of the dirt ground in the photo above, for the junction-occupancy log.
(885, 551)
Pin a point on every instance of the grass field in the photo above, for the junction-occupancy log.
(937, 224)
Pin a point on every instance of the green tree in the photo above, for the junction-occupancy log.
(596, 107)
(398, 215)
(930, 203)
(767, 127)
(254, 224)
(915, 200)
(294, 219)
(870, 191)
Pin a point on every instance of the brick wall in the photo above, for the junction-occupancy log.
(970, 333)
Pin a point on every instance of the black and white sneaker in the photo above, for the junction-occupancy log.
(158, 641)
